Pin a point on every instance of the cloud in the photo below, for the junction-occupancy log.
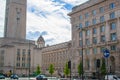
(46, 17)
(2, 15)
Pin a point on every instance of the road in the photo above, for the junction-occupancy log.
(19, 79)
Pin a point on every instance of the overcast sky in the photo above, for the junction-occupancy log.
(47, 18)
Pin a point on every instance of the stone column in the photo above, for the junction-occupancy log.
(107, 32)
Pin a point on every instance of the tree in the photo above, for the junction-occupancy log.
(38, 71)
(80, 69)
(51, 69)
(103, 68)
(66, 70)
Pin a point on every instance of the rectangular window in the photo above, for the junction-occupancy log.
(102, 49)
(87, 51)
(23, 64)
(87, 42)
(86, 15)
(80, 52)
(102, 28)
(23, 52)
(112, 5)
(93, 12)
(94, 50)
(113, 47)
(112, 15)
(94, 31)
(94, 21)
(88, 64)
(80, 25)
(18, 64)
(80, 34)
(81, 17)
(113, 36)
(18, 51)
(80, 43)
(101, 9)
(102, 38)
(113, 26)
(94, 40)
(87, 23)
(18, 58)
(87, 32)
(102, 19)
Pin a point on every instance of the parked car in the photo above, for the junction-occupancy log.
(41, 77)
(14, 76)
(2, 76)
(111, 77)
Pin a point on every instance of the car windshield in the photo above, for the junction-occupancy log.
(43, 76)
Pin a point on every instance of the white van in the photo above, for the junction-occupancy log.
(111, 77)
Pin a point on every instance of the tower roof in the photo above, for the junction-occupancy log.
(40, 39)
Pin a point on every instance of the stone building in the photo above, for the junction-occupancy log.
(21, 56)
(96, 26)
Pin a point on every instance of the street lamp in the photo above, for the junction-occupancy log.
(29, 61)
(82, 55)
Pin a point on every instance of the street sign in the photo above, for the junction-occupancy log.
(106, 53)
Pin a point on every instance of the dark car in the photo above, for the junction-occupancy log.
(41, 77)
(14, 76)
(2, 76)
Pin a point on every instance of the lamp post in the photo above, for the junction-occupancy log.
(29, 61)
(82, 56)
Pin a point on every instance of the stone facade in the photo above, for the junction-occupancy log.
(95, 26)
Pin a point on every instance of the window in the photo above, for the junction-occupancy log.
(87, 32)
(102, 49)
(112, 6)
(23, 58)
(101, 9)
(29, 52)
(80, 34)
(113, 36)
(93, 12)
(94, 50)
(87, 51)
(18, 58)
(94, 21)
(80, 43)
(94, 31)
(102, 19)
(86, 15)
(102, 38)
(23, 52)
(81, 17)
(87, 23)
(18, 52)
(113, 47)
(18, 64)
(80, 25)
(23, 64)
(87, 42)
(80, 52)
(94, 40)
(113, 26)
(112, 15)
(102, 28)
(88, 64)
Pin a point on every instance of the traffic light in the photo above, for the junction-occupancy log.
(98, 63)
(69, 64)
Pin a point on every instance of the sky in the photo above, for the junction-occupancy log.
(47, 18)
